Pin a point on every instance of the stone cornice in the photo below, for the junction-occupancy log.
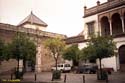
(119, 35)
(75, 39)
(30, 31)
(103, 7)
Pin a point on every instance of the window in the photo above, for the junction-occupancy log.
(90, 26)
(67, 65)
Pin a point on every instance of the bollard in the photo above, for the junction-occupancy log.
(65, 78)
(83, 79)
(11, 76)
(52, 78)
(35, 76)
(107, 79)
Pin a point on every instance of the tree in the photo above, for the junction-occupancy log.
(4, 51)
(22, 48)
(86, 53)
(56, 46)
(99, 47)
(2, 46)
(72, 53)
(7, 52)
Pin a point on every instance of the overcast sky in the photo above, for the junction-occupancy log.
(62, 16)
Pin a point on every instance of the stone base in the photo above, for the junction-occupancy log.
(38, 68)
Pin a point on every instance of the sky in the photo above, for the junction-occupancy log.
(62, 16)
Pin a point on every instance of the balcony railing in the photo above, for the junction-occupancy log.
(103, 7)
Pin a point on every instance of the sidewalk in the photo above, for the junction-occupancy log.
(46, 77)
(75, 78)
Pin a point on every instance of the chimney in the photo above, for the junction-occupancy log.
(98, 3)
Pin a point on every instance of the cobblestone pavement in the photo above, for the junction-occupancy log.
(45, 77)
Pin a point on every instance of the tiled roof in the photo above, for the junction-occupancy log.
(75, 39)
(33, 19)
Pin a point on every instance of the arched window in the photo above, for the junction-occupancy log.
(116, 24)
(105, 27)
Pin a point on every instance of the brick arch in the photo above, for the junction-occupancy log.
(115, 12)
(116, 24)
(121, 52)
(105, 26)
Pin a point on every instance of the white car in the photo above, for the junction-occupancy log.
(62, 67)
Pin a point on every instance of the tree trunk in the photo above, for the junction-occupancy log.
(56, 63)
(0, 62)
(75, 63)
(56, 60)
(18, 65)
(24, 65)
(100, 64)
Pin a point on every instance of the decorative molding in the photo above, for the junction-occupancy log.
(103, 7)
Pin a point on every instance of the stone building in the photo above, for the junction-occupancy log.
(35, 29)
(107, 19)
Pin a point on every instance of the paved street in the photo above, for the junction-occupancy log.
(73, 78)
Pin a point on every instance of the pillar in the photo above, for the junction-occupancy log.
(123, 27)
(110, 23)
(38, 59)
(99, 28)
(117, 59)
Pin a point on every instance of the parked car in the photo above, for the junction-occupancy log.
(64, 67)
(87, 68)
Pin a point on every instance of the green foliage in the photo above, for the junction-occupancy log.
(22, 47)
(72, 53)
(7, 52)
(56, 46)
(2, 46)
(4, 51)
(99, 47)
(88, 53)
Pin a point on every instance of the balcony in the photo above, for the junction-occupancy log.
(103, 7)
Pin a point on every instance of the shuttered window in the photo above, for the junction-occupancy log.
(90, 26)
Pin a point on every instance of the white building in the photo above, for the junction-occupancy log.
(106, 19)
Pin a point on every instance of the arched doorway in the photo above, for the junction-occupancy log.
(105, 27)
(116, 24)
(122, 58)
